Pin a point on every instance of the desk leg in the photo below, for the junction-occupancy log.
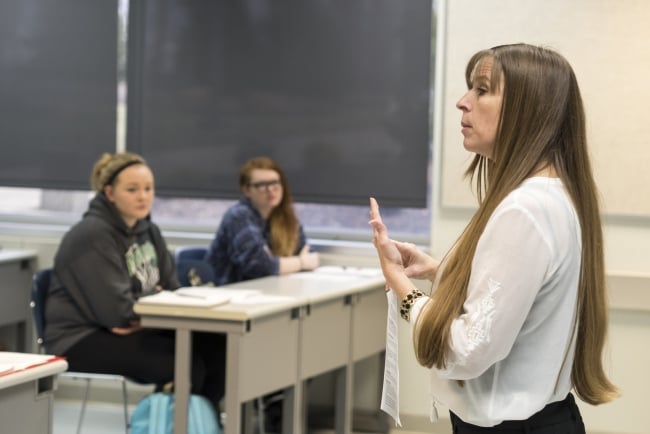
(294, 410)
(233, 401)
(343, 407)
(248, 412)
(182, 380)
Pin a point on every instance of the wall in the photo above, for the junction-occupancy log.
(607, 42)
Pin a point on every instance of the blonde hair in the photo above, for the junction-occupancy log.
(542, 122)
(109, 166)
(283, 223)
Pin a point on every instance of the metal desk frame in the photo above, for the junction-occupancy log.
(16, 269)
(279, 346)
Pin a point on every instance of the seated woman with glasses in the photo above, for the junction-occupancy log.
(260, 235)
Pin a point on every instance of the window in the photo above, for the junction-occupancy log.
(57, 81)
(343, 218)
(337, 92)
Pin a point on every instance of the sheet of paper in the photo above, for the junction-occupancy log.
(185, 299)
(390, 390)
(348, 271)
(211, 291)
(6, 367)
(12, 361)
(260, 298)
(235, 296)
(323, 277)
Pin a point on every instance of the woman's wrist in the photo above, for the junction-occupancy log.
(300, 264)
(407, 303)
(398, 281)
(433, 269)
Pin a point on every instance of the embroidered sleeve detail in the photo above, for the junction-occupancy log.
(480, 323)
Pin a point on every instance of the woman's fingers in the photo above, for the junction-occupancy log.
(379, 229)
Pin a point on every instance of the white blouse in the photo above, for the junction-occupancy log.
(513, 345)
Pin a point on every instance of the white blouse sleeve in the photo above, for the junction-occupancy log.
(512, 260)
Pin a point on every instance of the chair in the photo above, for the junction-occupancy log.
(191, 268)
(40, 287)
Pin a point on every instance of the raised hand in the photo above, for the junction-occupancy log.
(399, 256)
(389, 255)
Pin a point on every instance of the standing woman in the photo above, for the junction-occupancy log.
(113, 256)
(518, 316)
(260, 235)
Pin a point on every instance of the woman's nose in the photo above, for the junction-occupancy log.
(463, 103)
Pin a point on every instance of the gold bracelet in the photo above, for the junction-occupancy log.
(407, 303)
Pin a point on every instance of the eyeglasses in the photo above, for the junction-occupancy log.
(266, 185)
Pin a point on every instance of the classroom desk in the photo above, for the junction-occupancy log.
(327, 323)
(16, 269)
(27, 396)
(338, 330)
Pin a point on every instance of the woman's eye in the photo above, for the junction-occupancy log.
(481, 90)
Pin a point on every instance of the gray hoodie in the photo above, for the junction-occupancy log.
(100, 270)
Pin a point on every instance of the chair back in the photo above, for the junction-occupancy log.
(40, 287)
(191, 268)
(190, 252)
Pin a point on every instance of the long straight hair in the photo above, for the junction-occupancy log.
(542, 122)
(283, 224)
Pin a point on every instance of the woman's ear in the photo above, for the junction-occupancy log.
(108, 192)
(245, 190)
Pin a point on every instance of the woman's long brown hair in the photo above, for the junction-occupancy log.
(283, 223)
(542, 123)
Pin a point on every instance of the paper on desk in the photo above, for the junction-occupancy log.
(13, 362)
(236, 296)
(349, 271)
(186, 298)
(322, 277)
(390, 390)
(258, 297)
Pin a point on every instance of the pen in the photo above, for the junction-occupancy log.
(182, 294)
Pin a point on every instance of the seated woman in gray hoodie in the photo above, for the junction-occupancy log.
(114, 255)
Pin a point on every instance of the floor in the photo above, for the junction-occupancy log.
(100, 418)
(106, 418)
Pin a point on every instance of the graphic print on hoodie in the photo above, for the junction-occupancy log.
(142, 263)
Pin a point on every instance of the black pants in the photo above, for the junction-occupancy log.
(562, 417)
(147, 356)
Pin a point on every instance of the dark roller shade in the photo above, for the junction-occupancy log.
(337, 91)
(57, 90)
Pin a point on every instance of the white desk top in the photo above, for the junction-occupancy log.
(294, 290)
(24, 367)
(11, 255)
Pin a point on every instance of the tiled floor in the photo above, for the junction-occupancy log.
(104, 418)
(100, 418)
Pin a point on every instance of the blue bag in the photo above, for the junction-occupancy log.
(154, 414)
